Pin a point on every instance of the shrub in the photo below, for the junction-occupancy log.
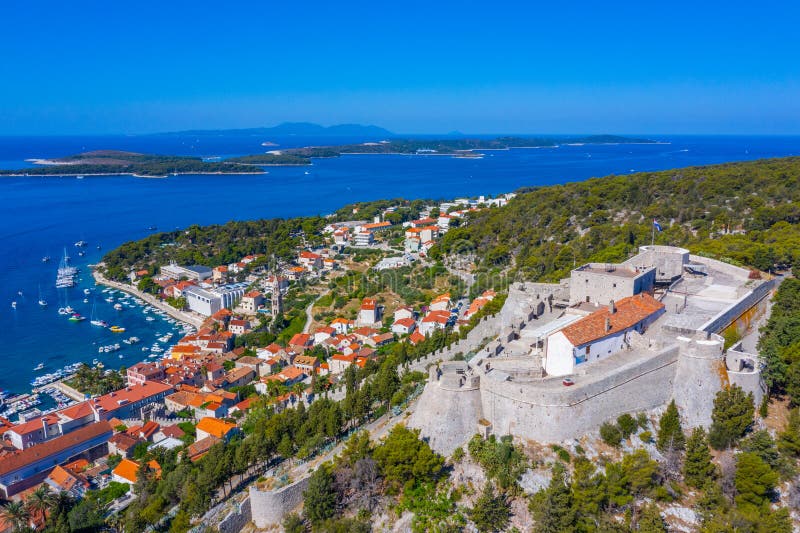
(646, 436)
(627, 425)
(611, 434)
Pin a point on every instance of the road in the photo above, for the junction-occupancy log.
(309, 317)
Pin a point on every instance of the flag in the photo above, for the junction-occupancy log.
(656, 225)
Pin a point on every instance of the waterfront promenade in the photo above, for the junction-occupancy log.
(182, 316)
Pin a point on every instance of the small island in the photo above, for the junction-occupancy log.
(113, 162)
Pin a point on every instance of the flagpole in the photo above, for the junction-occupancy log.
(653, 238)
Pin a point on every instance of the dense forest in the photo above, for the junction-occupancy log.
(745, 213)
(116, 162)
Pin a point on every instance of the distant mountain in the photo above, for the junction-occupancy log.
(301, 129)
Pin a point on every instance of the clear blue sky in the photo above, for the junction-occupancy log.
(414, 67)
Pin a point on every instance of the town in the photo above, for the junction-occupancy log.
(198, 393)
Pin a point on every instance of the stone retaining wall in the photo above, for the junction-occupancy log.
(268, 508)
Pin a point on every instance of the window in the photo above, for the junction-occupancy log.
(588, 349)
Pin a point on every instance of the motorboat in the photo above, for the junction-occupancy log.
(117, 329)
(118, 306)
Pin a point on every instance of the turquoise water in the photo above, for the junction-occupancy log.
(41, 216)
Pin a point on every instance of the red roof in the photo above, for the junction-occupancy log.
(416, 337)
(300, 339)
(629, 312)
(405, 322)
(437, 316)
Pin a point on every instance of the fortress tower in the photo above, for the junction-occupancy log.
(700, 373)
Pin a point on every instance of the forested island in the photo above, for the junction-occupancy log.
(113, 162)
(116, 162)
(462, 147)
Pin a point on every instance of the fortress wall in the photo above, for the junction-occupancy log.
(721, 266)
(268, 508)
(700, 374)
(447, 418)
(728, 315)
(551, 413)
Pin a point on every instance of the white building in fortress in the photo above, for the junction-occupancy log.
(631, 337)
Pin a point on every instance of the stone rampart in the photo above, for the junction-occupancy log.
(551, 412)
(700, 374)
(728, 315)
(268, 508)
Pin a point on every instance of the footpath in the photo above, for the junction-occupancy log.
(182, 316)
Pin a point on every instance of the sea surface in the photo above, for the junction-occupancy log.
(44, 216)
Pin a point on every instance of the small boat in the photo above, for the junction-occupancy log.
(42, 302)
(86, 300)
(77, 317)
(38, 367)
(19, 293)
(69, 310)
(151, 228)
(86, 291)
(98, 246)
(78, 177)
(118, 307)
(14, 305)
(45, 259)
(62, 311)
(117, 329)
(99, 323)
(80, 244)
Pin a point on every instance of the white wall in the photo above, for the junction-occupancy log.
(560, 360)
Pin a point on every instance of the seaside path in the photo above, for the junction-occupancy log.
(184, 317)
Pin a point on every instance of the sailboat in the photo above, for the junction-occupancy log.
(42, 301)
(96, 321)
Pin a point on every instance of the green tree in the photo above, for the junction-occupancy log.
(553, 508)
(731, 418)
(670, 432)
(697, 467)
(611, 434)
(293, 524)
(491, 511)
(650, 520)
(640, 472)
(627, 425)
(16, 514)
(405, 459)
(755, 482)
(320, 496)
(789, 438)
(589, 494)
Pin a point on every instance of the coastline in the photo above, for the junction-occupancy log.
(73, 174)
(180, 316)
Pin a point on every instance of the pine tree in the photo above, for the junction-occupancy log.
(698, 468)
(491, 511)
(789, 438)
(670, 432)
(553, 508)
(650, 521)
(731, 418)
(320, 496)
(755, 481)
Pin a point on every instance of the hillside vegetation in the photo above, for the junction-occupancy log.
(746, 213)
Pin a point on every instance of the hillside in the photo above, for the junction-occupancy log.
(307, 129)
(747, 213)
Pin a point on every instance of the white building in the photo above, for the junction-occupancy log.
(195, 272)
(208, 301)
(600, 334)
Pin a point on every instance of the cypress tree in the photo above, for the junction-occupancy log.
(491, 512)
(789, 438)
(320, 496)
(698, 468)
(670, 432)
(731, 418)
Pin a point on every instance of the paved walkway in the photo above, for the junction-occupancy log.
(184, 317)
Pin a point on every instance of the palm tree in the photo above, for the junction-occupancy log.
(16, 514)
(39, 504)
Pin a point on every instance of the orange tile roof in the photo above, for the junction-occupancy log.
(437, 316)
(215, 427)
(300, 339)
(199, 448)
(416, 337)
(111, 401)
(405, 322)
(127, 469)
(629, 312)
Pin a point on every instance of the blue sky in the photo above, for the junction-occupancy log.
(412, 67)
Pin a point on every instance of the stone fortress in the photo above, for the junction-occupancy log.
(611, 339)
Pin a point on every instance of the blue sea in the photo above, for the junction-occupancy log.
(43, 216)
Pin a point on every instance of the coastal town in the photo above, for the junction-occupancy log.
(198, 392)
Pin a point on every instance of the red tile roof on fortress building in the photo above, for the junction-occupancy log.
(629, 312)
